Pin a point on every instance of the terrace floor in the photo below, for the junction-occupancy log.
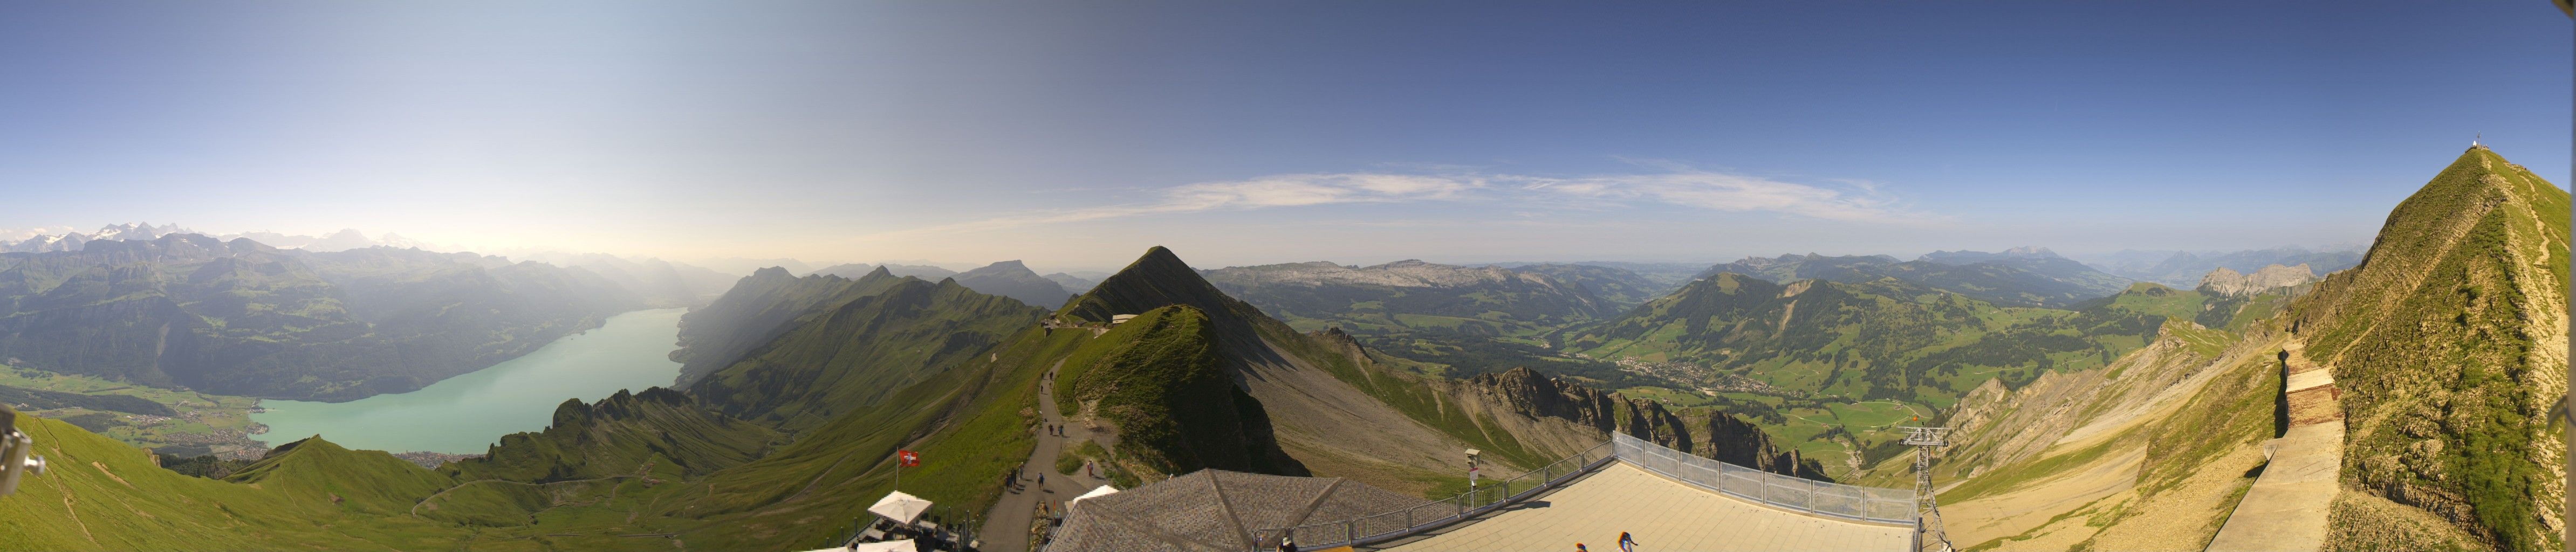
(1660, 513)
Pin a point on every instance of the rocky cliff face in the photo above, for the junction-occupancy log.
(1706, 432)
(2225, 281)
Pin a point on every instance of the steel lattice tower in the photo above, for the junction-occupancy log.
(1927, 510)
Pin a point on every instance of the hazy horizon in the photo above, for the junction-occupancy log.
(1073, 137)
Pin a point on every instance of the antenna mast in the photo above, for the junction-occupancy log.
(1927, 510)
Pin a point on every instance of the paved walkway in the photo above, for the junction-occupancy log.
(1006, 527)
(2286, 510)
(1661, 513)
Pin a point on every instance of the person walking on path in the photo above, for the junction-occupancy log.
(1627, 544)
(1578, 547)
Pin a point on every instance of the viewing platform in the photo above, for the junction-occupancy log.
(1664, 498)
(1659, 512)
(2286, 508)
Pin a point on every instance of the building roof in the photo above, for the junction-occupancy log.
(1215, 510)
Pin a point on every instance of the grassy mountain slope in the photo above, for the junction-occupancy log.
(1829, 369)
(2449, 343)
(971, 423)
(1884, 339)
(1619, 288)
(2035, 280)
(2446, 344)
(755, 311)
(1159, 381)
(2149, 453)
(366, 481)
(39, 399)
(105, 495)
(878, 335)
(659, 431)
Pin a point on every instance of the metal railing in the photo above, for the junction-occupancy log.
(1864, 504)
(1488, 496)
(1849, 502)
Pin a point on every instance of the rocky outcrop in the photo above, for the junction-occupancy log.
(1705, 432)
(1735, 441)
(2224, 281)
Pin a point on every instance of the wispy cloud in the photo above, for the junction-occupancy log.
(1287, 190)
(1853, 200)
(1844, 200)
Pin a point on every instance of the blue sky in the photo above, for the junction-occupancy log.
(1076, 134)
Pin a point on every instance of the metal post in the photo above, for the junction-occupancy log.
(1927, 508)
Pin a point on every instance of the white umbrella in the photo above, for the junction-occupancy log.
(887, 546)
(1104, 490)
(900, 507)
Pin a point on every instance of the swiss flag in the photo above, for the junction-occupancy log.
(908, 458)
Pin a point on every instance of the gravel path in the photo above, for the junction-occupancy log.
(1007, 526)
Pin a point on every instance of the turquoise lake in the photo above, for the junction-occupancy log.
(466, 414)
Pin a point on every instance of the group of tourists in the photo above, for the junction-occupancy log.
(1626, 544)
(1015, 483)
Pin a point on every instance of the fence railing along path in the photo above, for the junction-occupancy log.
(1848, 502)
(1488, 496)
(1836, 500)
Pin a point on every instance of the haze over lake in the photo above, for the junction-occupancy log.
(466, 414)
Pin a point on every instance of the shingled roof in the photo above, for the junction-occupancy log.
(1215, 511)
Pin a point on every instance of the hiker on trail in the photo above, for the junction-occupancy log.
(1011, 481)
(1627, 544)
(1578, 547)
(1286, 545)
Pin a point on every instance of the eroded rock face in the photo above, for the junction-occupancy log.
(1735, 441)
(1704, 432)
(2225, 281)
